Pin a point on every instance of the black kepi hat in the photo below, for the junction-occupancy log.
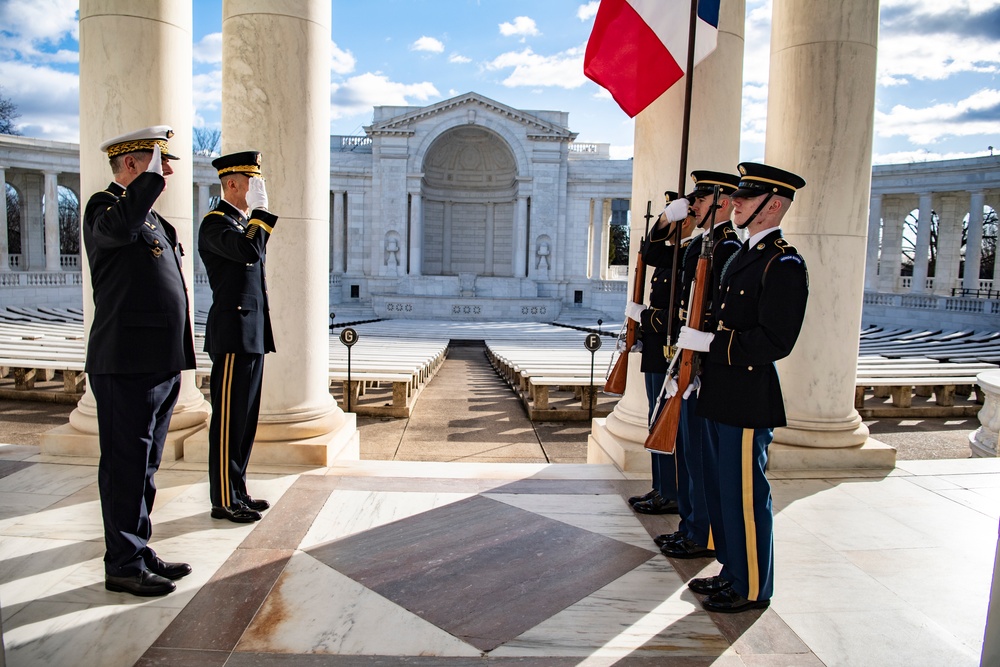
(705, 182)
(761, 179)
(245, 162)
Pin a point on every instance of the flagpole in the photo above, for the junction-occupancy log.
(682, 177)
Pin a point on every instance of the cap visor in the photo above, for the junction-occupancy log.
(747, 193)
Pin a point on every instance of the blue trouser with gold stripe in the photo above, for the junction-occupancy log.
(744, 540)
(236, 383)
(664, 467)
(690, 455)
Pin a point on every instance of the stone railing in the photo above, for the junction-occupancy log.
(350, 144)
(983, 442)
(40, 278)
(610, 286)
(69, 261)
(905, 284)
(618, 272)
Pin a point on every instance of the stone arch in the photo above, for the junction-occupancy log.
(469, 195)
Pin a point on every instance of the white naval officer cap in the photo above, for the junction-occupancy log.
(140, 140)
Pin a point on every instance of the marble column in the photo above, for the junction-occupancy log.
(416, 234)
(714, 144)
(891, 251)
(204, 197)
(594, 245)
(275, 99)
(949, 245)
(974, 241)
(921, 250)
(446, 244)
(488, 240)
(821, 95)
(605, 239)
(521, 237)
(135, 71)
(337, 231)
(33, 223)
(4, 242)
(51, 215)
(874, 233)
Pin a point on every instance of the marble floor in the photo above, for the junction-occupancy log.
(459, 564)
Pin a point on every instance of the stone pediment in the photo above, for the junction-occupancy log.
(537, 128)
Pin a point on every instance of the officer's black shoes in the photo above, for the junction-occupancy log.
(145, 584)
(728, 601)
(709, 585)
(236, 514)
(685, 548)
(656, 505)
(638, 499)
(256, 504)
(660, 540)
(169, 570)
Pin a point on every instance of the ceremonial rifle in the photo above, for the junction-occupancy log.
(663, 435)
(615, 383)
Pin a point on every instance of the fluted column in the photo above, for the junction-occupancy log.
(714, 144)
(974, 241)
(822, 95)
(874, 233)
(51, 221)
(921, 250)
(4, 247)
(521, 238)
(416, 234)
(135, 59)
(949, 246)
(275, 99)
(595, 242)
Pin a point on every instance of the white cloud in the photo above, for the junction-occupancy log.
(458, 59)
(921, 155)
(28, 24)
(976, 114)
(563, 70)
(208, 91)
(522, 26)
(47, 100)
(586, 12)
(341, 61)
(360, 93)
(428, 44)
(621, 152)
(209, 49)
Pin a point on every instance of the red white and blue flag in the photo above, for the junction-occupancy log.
(639, 48)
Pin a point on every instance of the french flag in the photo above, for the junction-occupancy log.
(638, 48)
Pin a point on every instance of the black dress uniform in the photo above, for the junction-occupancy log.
(140, 341)
(237, 336)
(757, 315)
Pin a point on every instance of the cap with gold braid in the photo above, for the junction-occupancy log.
(246, 162)
(141, 140)
(761, 179)
(705, 182)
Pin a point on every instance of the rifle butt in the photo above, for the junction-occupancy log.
(615, 383)
(663, 436)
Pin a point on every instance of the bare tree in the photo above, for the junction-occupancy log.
(206, 141)
(8, 114)
(69, 222)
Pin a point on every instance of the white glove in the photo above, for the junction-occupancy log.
(692, 339)
(677, 210)
(695, 386)
(156, 163)
(256, 194)
(633, 311)
(669, 388)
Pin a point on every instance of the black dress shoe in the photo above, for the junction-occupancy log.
(256, 504)
(638, 499)
(169, 570)
(660, 540)
(728, 601)
(709, 585)
(145, 584)
(685, 548)
(236, 514)
(656, 505)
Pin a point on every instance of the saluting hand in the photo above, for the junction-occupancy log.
(676, 210)
(257, 194)
(156, 163)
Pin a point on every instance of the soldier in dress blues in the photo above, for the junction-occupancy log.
(694, 538)
(140, 341)
(757, 317)
(232, 243)
(658, 252)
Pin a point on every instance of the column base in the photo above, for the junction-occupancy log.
(66, 440)
(872, 455)
(629, 456)
(341, 444)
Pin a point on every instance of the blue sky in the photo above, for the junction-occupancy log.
(938, 95)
